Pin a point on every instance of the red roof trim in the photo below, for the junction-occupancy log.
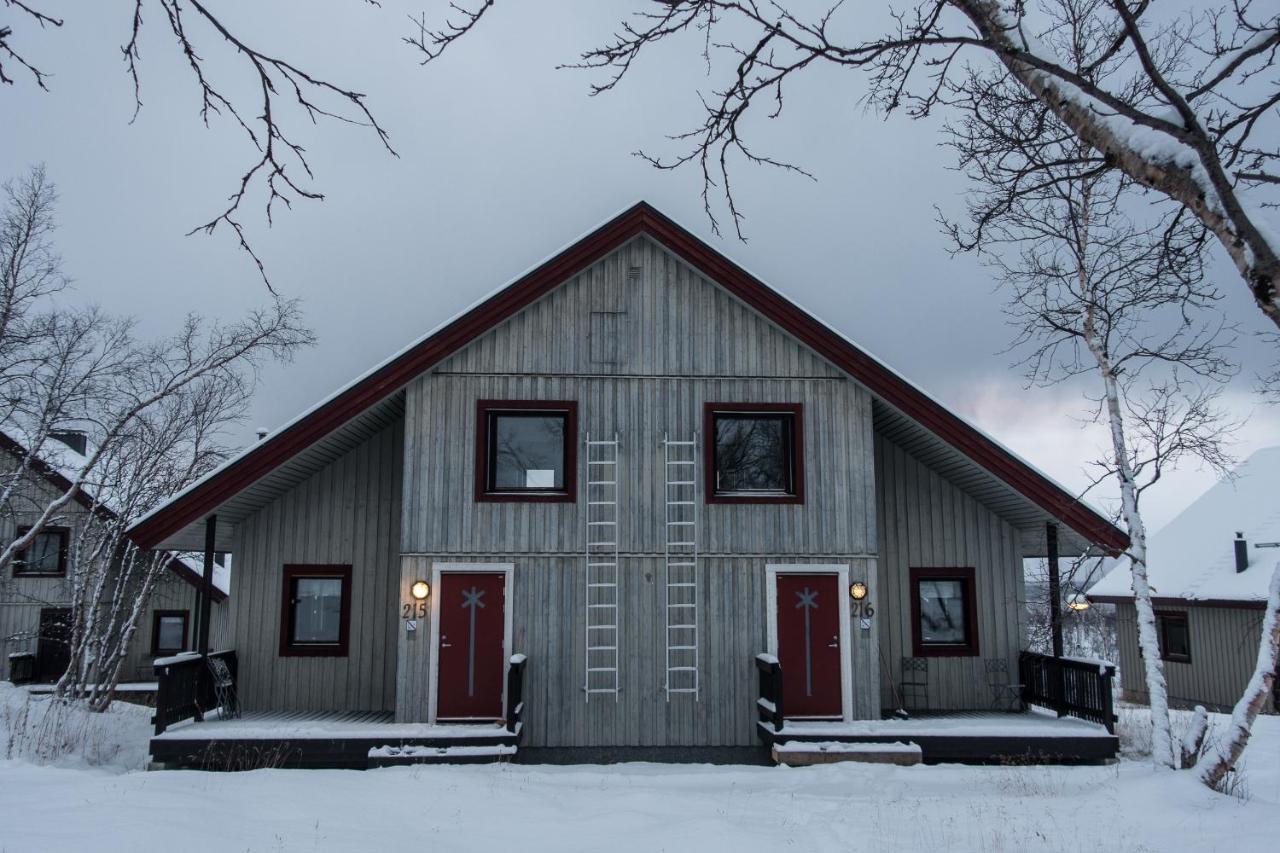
(640, 219)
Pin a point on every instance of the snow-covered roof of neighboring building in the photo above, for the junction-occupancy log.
(59, 463)
(1193, 557)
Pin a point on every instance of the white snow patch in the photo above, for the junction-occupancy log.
(1193, 556)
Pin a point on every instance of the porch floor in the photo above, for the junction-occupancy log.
(334, 739)
(1034, 736)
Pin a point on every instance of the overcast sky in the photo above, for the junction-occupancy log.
(503, 160)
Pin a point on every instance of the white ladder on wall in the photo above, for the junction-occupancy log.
(680, 475)
(602, 567)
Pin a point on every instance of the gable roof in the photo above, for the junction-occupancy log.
(377, 386)
(1192, 558)
(49, 470)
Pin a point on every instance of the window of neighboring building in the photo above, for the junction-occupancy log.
(525, 450)
(169, 632)
(1175, 636)
(316, 612)
(944, 612)
(46, 556)
(754, 453)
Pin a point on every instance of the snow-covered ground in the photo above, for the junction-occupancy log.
(636, 807)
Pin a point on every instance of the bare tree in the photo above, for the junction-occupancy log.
(285, 93)
(1096, 294)
(1199, 131)
(1232, 744)
(151, 411)
(165, 449)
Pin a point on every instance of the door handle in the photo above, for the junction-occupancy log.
(445, 644)
(834, 644)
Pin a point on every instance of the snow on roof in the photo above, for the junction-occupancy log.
(1193, 556)
(194, 561)
(66, 462)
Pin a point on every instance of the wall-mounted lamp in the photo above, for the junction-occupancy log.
(420, 590)
(857, 590)
(1078, 603)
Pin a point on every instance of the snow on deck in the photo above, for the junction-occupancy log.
(850, 748)
(1033, 723)
(276, 726)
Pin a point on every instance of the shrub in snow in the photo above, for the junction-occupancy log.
(64, 732)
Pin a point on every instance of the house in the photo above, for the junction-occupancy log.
(35, 592)
(1209, 570)
(650, 483)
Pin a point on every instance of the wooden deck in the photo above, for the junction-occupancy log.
(1033, 737)
(353, 740)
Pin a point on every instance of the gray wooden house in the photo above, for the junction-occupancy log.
(35, 591)
(1209, 570)
(643, 482)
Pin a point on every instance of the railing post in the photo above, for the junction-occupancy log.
(1108, 711)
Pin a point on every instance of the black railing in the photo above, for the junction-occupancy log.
(515, 692)
(769, 704)
(185, 688)
(1067, 686)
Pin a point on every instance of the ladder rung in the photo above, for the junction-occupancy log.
(681, 483)
(602, 648)
(680, 523)
(682, 605)
(681, 462)
(682, 669)
(682, 690)
(602, 605)
(602, 669)
(602, 627)
(681, 443)
(681, 565)
(606, 585)
(602, 544)
(602, 565)
(681, 648)
(602, 461)
(601, 443)
(681, 503)
(606, 503)
(598, 523)
(669, 627)
(681, 584)
(678, 544)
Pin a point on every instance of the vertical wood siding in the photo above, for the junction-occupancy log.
(347, 513)
(22, 598)
(1224, 649)
(548, 596)
(926, 521)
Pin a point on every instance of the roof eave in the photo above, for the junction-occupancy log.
(641, 218)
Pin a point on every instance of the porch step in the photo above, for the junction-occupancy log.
(395, 756)
(802, 754)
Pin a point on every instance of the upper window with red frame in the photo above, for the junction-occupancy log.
(525, 450)
(754, 453)
(944, 612)
(46, 556)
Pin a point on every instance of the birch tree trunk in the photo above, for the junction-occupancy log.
(1232, 744)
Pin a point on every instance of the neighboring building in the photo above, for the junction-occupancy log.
(1209, 570)
(764, 464)
(35, 592)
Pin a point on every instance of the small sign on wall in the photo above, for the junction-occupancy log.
(411, 625)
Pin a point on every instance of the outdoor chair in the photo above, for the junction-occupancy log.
(1004, 690)
(915, 684)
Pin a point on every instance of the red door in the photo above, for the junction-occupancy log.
(809, 644)
(472, 622)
